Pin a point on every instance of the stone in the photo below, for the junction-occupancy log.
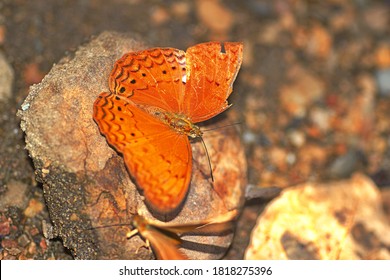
(336, 220)
(86, 185)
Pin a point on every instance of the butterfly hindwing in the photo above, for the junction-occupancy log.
(159, 159)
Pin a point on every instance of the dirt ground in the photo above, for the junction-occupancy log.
(311, 99)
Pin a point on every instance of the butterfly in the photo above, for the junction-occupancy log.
(156, 97)
(164, 239)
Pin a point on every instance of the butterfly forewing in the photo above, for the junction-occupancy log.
(164, 244)
(218, 223)
(196, 83)
(159, 159)
(151, 77)
(210, 77)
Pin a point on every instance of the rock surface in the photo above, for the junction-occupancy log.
(338, 220)
(85, 181)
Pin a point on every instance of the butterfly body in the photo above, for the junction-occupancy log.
(156, 97)
(180, 124)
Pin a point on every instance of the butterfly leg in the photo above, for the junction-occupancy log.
(146, 246)
(131, 233)
(143, 246)
(134, 232)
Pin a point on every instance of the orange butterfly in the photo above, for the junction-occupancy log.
(164, 238)
(155, 98)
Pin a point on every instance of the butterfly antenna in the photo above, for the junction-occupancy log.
(107, 226)
(220, 127)
(205, 148)
(208, 159)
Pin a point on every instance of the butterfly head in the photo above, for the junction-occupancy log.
(138, 223)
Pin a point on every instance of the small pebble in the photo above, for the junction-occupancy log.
(6, 78)
(34, 207)
(383, 80)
